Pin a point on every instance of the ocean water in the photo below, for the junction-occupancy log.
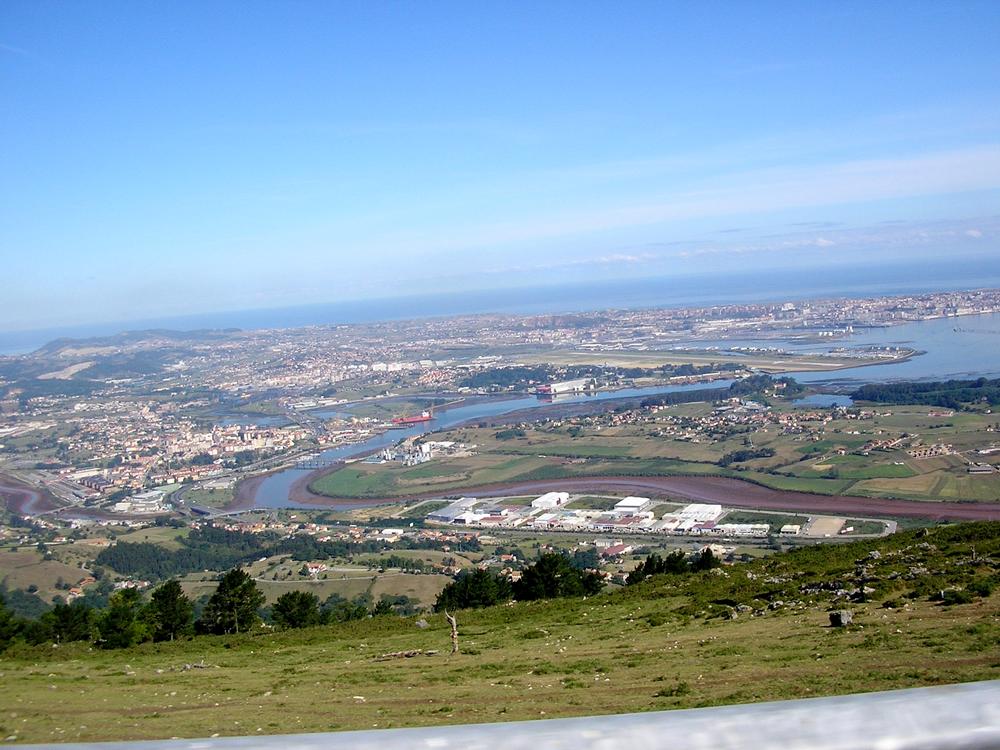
(675, 291)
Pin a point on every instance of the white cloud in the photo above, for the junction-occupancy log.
(753, 192)
(974, 233)
(883, 240)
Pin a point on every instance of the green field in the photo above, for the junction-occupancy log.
(820, 462)
(661, 645)
(165, 536)
(390, 480)
(863, 527)
(593, 503)
(212, 497)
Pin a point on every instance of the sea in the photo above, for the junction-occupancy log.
(665, 291)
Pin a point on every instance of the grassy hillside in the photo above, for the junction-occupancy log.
(738, 634)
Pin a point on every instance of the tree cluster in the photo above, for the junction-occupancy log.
(125, 621)
(212, 548)
(552, 576)
(674, 563)
(745, 454)
(948, 394)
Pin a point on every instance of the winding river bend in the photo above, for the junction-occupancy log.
(282, 489)
(967, 346)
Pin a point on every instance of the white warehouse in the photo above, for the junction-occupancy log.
(698, 512)
(567, 386)
(550, 500)
(632, 505)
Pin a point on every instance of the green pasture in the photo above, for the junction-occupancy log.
(653, 647)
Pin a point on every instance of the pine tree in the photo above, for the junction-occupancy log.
(120, 625)
(478, 588)
(9, 625)
(296, 609)
(170, 611)
(554, 576)
(233, 606)
(69, 622)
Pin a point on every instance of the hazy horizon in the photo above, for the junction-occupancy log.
(554, 298)
(180, 159)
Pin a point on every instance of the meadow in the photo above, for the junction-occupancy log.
(822, 459)
(746, 633)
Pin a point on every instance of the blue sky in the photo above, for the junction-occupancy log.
(166, 158)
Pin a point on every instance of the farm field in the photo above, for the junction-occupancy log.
(825, 458)
(388, 480)
(26, 567)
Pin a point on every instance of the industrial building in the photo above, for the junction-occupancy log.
(632, 505)
(698, 512)
(150, 501)
(550, 500)
(567, 386)
(453, 513)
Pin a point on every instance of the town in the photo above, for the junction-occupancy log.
(94, 423)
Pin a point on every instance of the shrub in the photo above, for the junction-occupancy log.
(956, 596)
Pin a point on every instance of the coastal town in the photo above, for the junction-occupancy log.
(365, 440)
(93, 423)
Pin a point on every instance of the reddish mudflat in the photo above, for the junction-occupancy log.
(703, 489)
(24, 499)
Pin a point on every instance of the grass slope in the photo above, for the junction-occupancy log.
(667, 643)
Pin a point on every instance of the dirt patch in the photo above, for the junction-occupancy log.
(825, 526)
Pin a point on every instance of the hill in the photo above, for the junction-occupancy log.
(923, 614)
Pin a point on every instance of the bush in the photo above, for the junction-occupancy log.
(955, 596)
(982, 586)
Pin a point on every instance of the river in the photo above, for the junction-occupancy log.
(274, 491)
(967, 346)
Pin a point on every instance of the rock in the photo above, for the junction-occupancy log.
(875, 555)
(841, 618)
(421, 624)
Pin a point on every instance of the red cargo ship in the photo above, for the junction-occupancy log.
(423, 417)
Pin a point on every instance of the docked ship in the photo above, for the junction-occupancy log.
(425, 416)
